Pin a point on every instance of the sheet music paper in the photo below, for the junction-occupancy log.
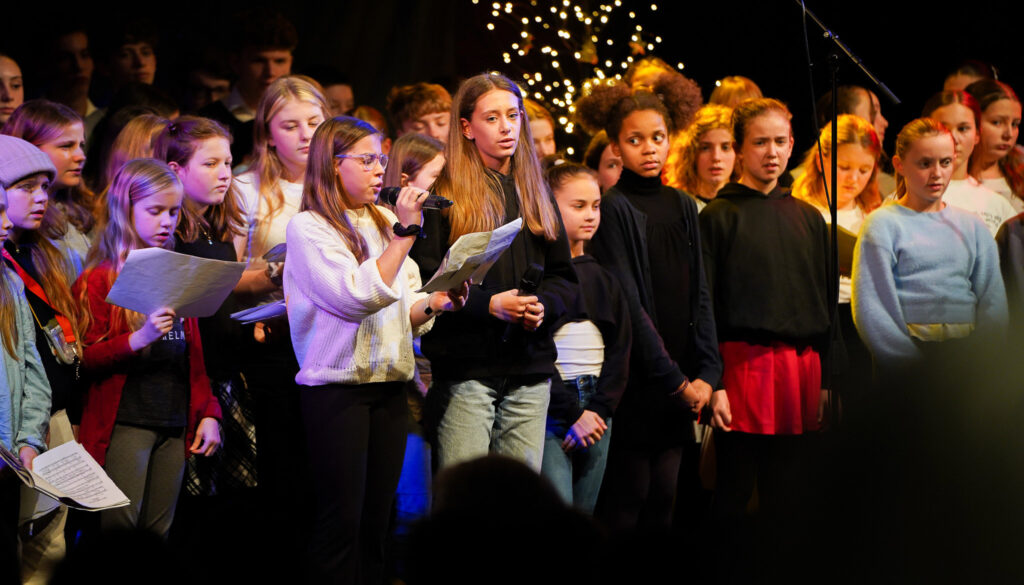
(471, 256)
(153, 278)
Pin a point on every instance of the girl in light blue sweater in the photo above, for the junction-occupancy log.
(924, 271)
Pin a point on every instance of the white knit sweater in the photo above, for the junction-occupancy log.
(347, 326)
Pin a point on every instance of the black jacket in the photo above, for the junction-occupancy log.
(603, 302)
(620, 245)
(467, 344)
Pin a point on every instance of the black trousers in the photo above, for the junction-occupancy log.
(356, 442)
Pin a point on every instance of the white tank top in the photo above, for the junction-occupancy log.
(580, 350)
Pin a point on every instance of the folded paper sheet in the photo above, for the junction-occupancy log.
(471, 256)
(153, 278)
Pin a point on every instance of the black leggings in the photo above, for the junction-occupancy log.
(356, 441)
(639, 487)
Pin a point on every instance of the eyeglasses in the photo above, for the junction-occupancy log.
(369, 160)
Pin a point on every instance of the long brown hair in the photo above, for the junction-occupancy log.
(810, 185)
(54, 273)
(177, 143)
(987, 92)
(39, 121)
(479, 204)
(323, 192)
(135, 181)
(266, 165)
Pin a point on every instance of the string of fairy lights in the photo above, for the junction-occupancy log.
(562, 46)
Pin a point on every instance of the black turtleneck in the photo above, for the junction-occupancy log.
(668, 253)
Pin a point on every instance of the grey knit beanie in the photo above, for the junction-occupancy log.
(20, 159)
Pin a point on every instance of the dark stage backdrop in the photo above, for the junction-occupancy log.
(379, 43)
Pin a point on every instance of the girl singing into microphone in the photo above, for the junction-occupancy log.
(353, 310)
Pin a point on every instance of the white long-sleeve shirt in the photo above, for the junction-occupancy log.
(347, 326)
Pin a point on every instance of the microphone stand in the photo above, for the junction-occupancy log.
(833, 260)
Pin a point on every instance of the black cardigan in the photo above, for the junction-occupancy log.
(601, 301)
(620, 245)
(466, 344)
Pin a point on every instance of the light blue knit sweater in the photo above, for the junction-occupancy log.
(913, 267)
(24, 389)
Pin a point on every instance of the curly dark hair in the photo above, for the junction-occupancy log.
(675, 97)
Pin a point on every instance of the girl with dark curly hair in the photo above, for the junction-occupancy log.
(650, 241)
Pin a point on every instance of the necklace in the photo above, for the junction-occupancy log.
(207, 236)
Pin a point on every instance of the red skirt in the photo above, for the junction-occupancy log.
(773, 389)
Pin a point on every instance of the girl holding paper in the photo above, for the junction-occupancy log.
(149, 404)
(492, 363)
(353, 310)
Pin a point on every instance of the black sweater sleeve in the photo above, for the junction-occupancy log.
(616, 329)
(429, 251)
(708, 359)
(603, 302)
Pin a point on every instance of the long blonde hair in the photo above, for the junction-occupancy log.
(266, 164)
(136, 181)
(810, 185)
(323, 192)
(479, 202)
(681, 167)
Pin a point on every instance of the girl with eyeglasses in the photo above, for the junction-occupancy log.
(353, 311)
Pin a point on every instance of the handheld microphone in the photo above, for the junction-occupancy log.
(527, 286)
(389, 195)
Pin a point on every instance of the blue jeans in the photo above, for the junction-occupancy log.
(499, 415)
(576, 475)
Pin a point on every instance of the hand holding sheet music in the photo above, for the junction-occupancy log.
(68, 474)
(471, 256)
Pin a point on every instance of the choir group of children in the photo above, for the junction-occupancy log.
(680, 274)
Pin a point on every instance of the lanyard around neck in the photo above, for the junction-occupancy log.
(36, 289)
